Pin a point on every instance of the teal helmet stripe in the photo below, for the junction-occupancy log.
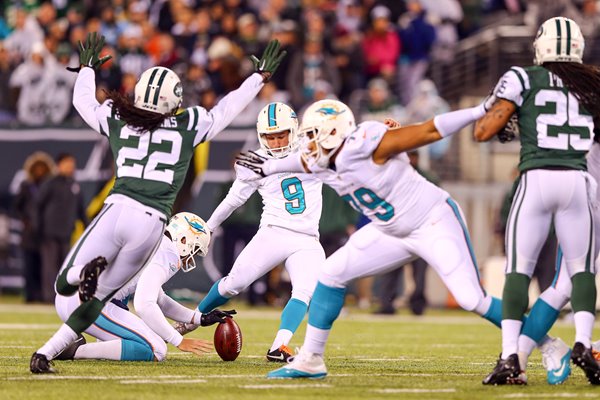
(147, 95)
(558, 36)
(568, 36)
(271, 112)
(160, 82)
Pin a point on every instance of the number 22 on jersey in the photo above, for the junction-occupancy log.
(139, 162)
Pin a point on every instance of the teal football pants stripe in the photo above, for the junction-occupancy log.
(213, 299)
(325, 306)
(293, 314)
(133, 346)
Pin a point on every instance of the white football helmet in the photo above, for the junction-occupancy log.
(191, 236)
(559, 39)
(158, 90)
(326, 123)
(275, 118)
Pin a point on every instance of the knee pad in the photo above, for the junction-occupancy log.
(132, 350)
(469, 299)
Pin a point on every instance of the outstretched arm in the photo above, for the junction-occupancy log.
(401, 139)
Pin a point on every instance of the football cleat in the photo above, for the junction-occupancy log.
(89, 278)
(507, 372)
(282, 354)
(303, 365)
(40, 364)
(584, 359)
(68, 353)
(556, 358)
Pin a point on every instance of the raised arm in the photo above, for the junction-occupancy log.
(494, 120)
(210, 123)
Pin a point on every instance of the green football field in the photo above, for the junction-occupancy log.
(443, 355)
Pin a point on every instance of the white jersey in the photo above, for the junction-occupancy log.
(290, 200)
(393, 195)
(151, 302)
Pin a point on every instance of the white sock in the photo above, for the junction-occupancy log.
(61, 339)
(73, 274)
(109, 350)
(283, 337)
(584, 323)
(315, 340)
(526, 346)
(511, 329)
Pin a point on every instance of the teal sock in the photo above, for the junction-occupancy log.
(292, 315)
(539, 321)
(325, 306)
(494, 313)
(135, 351)
(213, 299)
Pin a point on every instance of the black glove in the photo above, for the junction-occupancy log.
(251, 160)
(215, 316)
(89, 54)
(510, 130)
(269, 61)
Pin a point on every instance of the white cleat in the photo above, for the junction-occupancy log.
(302, 365)
(556, 357)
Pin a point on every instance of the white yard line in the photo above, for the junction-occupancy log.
(162, 382)
(551, 395)
(284, 386)
(408, 390)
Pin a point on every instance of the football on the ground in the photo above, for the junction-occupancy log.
(228, 340)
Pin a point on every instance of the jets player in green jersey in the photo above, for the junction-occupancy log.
(556, 104)
(152, 141)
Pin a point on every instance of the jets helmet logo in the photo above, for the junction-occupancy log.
(178, 89)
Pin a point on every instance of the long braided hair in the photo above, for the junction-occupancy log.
(139, 120)
(581, 79)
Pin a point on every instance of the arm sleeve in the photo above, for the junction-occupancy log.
(292, 163)
(238, 194)
(512, 85)
(175, 311)
(146, 303)
(210, 123)
(84, 100)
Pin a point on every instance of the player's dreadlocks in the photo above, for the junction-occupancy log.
(140, 120)
(581, 79)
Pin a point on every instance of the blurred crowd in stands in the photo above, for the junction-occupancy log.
(373, 54)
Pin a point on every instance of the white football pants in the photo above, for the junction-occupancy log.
(272, 245)
(114, 323)
(541, 197)
(442, 241)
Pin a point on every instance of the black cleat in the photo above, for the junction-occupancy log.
(68, 352)
(40, 364)
(282, 354)
(585, 360)
(89, 278)
(506, 372)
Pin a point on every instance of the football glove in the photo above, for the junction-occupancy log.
(89, 54)
(215, 316)
(510, 130)
(252, 161)
(269, 61)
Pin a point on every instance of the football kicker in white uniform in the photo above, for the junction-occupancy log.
(288, 227)
(124, 336)
(411, 217)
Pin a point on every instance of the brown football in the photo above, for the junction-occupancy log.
(228, 340)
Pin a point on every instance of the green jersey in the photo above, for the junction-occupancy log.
(555, 130)
(150, 167)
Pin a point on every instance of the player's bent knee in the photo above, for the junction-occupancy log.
(132, 350)
(468, 300)
(228, 287)
(303, 295)
(160, 351)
